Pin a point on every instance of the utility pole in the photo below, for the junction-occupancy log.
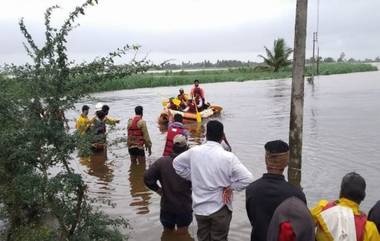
(296, 108)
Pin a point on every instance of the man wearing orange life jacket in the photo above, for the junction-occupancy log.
(342, 219)
(197, 89)
(175, 128)
(138, 137)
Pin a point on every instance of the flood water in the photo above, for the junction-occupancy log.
(341, 134)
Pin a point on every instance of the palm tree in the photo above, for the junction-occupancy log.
(279, 57)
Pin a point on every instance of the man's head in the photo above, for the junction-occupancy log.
(353, 187)
(85, 110)
(276, 156)
(100, 114)
(178, 118)
(179, 144)
(105, 109)
(215, 131)
(139, 110)
(181, 91)
(196, 83)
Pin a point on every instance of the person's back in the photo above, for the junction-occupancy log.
(263, 197)
(213, 173)
(175, 128)
(138, 137)
(265, 194)
(342, 219)
(175, 191)
(291, 221)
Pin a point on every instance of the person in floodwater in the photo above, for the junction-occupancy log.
(175, 192)
(98, 131)
(174, 128)
(291, 221)
(374, 215)
(83, 122)
(109, 120)
(342, 219)
(265, 194)
(214, 173)
(138, 137)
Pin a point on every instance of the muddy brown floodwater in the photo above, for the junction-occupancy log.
(341, 134)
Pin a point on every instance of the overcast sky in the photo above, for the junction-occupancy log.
(194, 30)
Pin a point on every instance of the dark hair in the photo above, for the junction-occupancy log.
(85, 107)
(277, 146)
(178, 118)
(215, 131)
(196, 81)
(139, 110)
(100, 114)
(353, 187)
(178, 149)
(105, 109)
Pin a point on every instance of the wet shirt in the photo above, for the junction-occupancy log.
(176, 191)
(82, 123)
(210, 168)
(262, 198)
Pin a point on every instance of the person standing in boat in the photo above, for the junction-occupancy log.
(138, 137)
(175, 128)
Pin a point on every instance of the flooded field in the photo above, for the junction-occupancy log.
(341, 134)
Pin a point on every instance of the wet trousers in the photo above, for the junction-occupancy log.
(214, 227)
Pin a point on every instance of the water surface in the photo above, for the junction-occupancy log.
(341, 134)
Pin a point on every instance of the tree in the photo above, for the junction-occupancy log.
(34, 140)
(329, 60)
(341, 57)
(297, 101)
(279, 57)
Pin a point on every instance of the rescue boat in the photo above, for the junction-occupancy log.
(211, 111)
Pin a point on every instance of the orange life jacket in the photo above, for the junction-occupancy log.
(135, 134)
(173, 130)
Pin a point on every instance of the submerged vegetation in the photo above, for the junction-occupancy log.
(36, 204)
(172, 78)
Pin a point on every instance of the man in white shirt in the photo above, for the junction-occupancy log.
(212, 171)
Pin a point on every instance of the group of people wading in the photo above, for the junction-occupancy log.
(200, 181)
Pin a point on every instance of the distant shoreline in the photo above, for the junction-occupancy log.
(185, 77)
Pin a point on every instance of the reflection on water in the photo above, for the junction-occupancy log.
(139, 192)
(173, 236)
(98, 166)
(197, 133)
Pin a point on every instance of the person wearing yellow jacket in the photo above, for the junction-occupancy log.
(83, 122)
(342, 219)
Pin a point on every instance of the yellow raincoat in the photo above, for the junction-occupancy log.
(323, 234)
